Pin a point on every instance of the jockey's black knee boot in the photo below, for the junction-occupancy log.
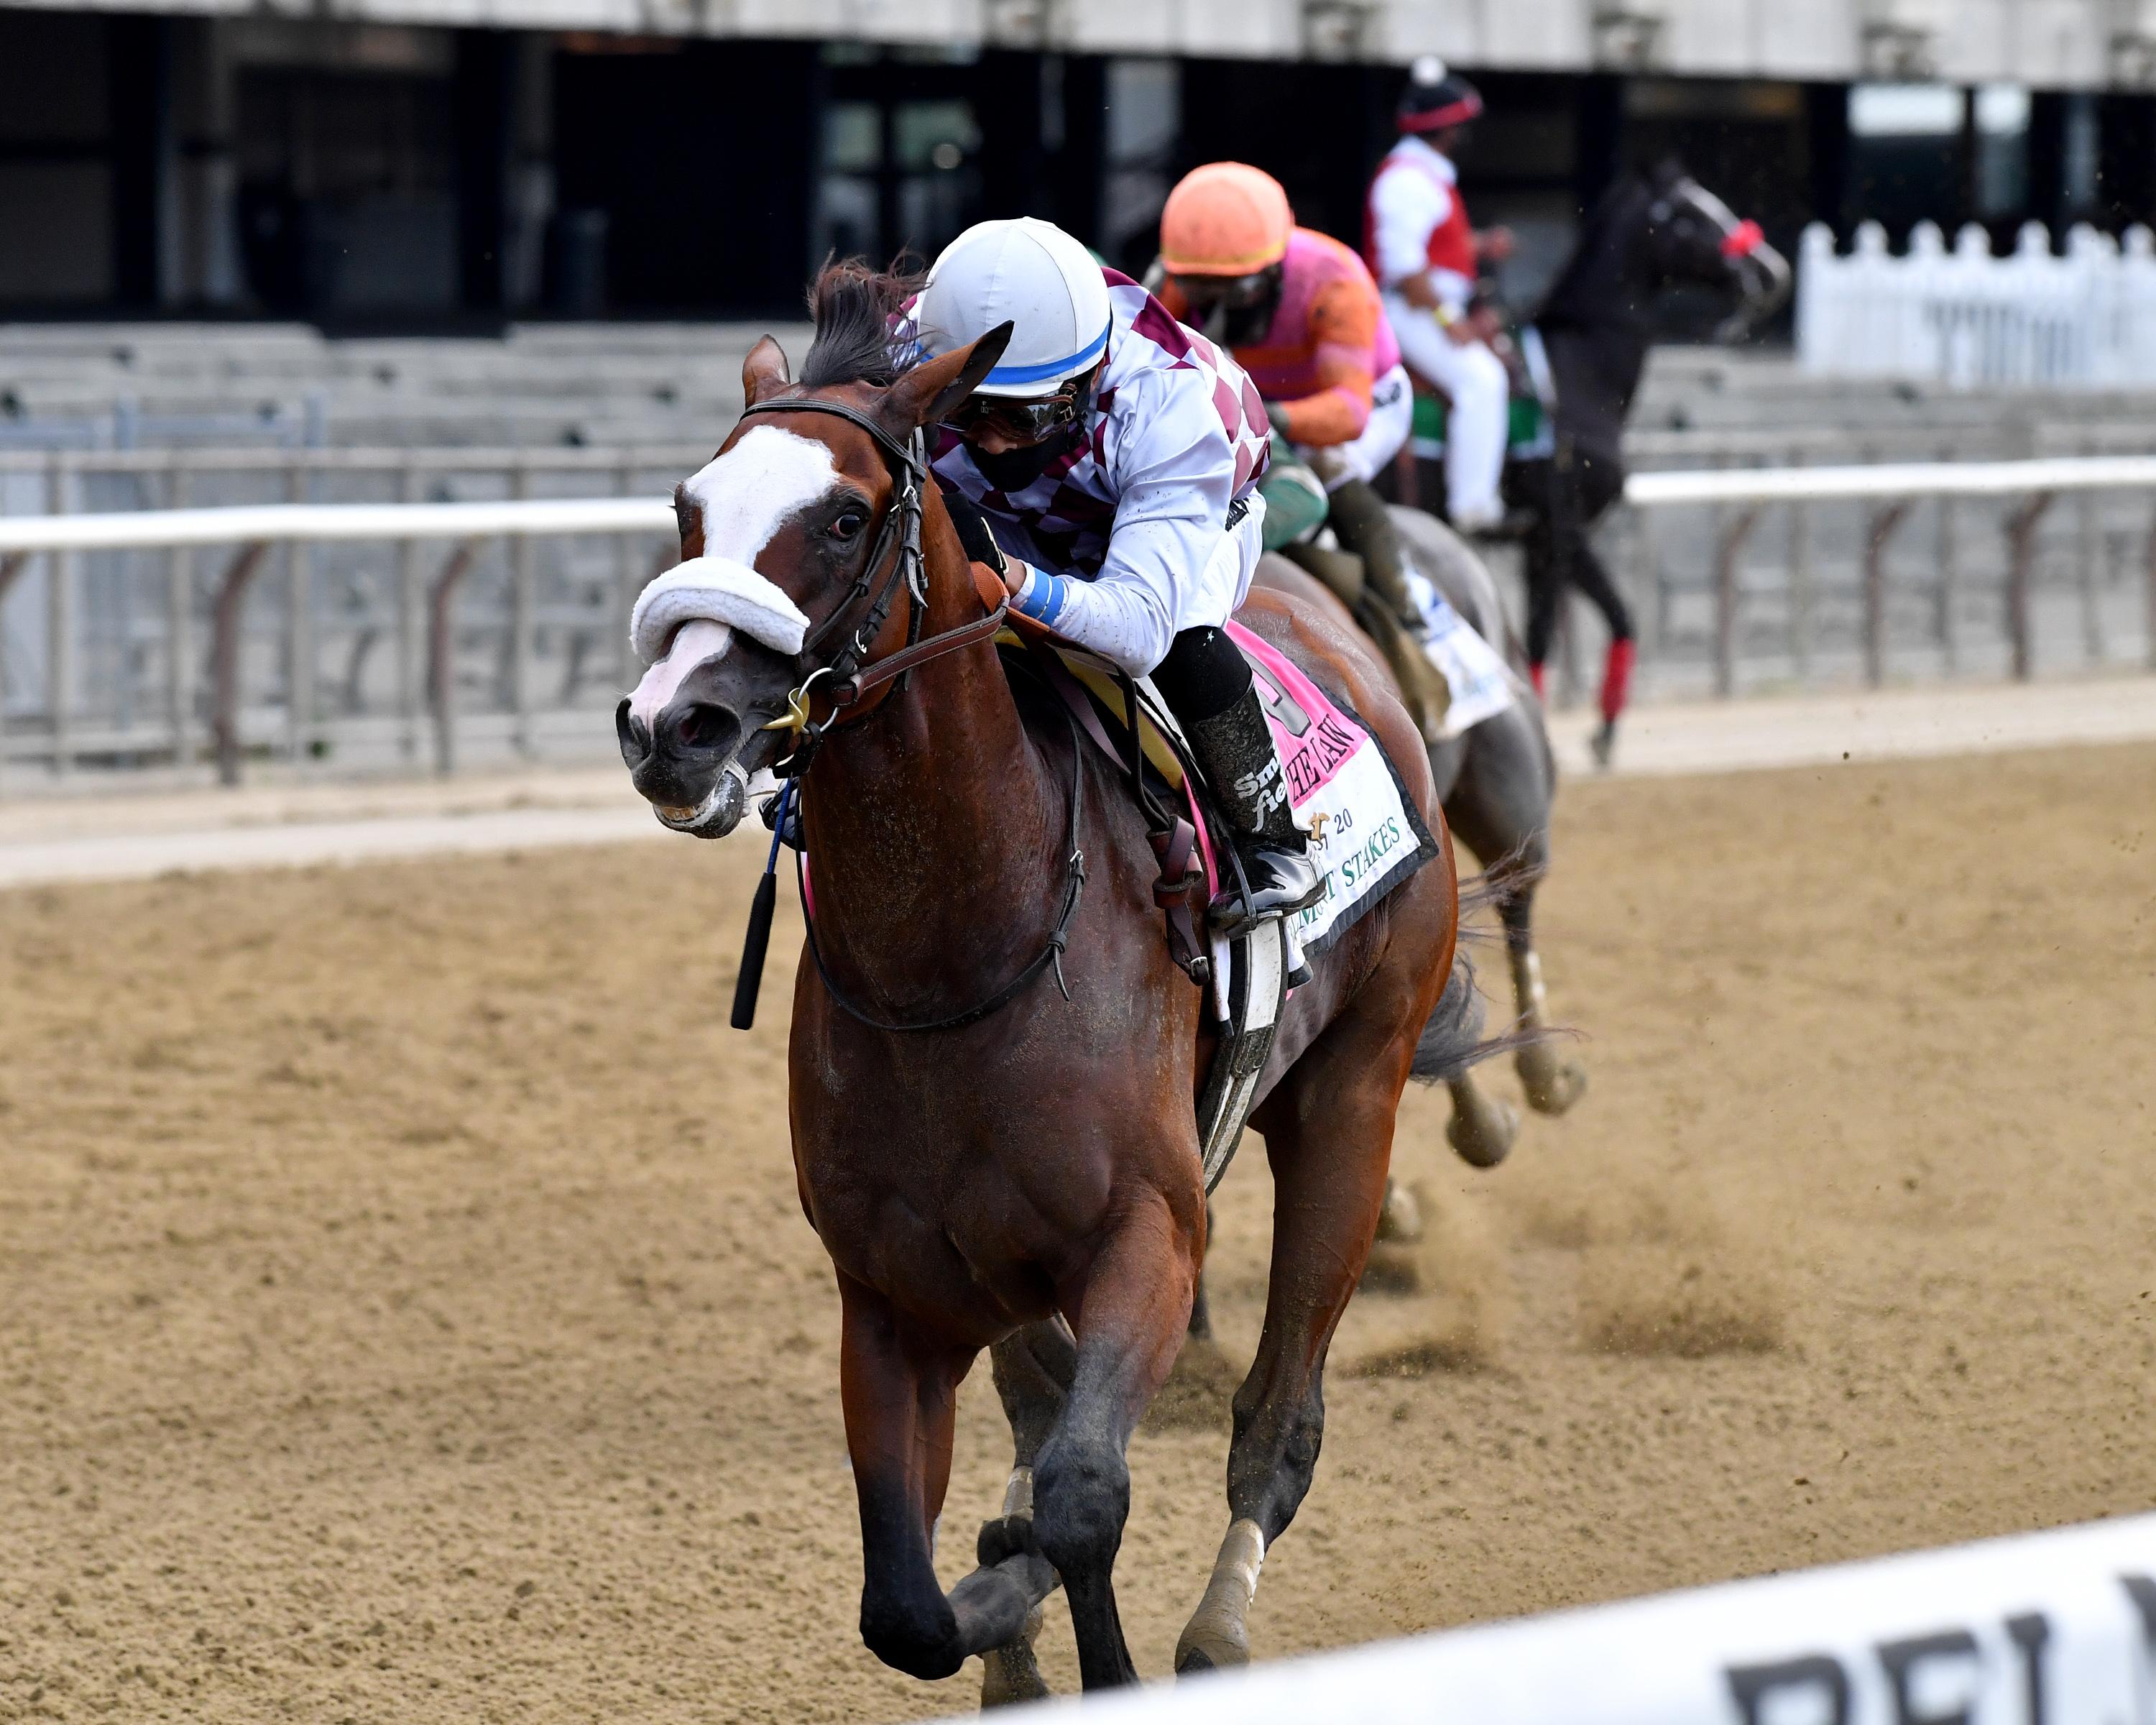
(1387, 611)
(1207, 685)
(1365, 526)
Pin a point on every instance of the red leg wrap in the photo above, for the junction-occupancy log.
(1537, 676)
(1616, 679)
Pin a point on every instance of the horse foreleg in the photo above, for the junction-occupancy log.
(1133, 1307)
(1482, 1127)
(1330, 1144)
(1500, 807)
(1553, 1084)
(900, 1395)
(1034, 1367)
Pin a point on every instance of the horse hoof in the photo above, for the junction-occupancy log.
(1399, 1223)
(1211, 1642)
(1483, 1132)
(1553, 1086)
(1009, 1674)
(1604, 744)
(1008, 1543)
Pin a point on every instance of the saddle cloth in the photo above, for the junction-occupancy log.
(1471, 666)
(1365, 832)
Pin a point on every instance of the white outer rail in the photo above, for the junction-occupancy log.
(1884, 480)
(2057, 1628)
(319, 522)
(147, 528)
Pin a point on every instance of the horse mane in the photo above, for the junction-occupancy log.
(854, 305)
(1581, 293)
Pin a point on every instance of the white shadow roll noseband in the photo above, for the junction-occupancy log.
(716, 590)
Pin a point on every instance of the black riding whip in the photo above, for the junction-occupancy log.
(758, 939)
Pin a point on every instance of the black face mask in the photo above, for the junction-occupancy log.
(1015, 470)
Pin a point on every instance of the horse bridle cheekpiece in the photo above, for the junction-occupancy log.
(851, 680)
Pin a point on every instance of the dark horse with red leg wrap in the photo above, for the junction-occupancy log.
(1648, 232)
(1023, 1179)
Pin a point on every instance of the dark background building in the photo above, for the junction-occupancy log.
(374, 175)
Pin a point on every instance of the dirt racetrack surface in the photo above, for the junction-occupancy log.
(405, 1314)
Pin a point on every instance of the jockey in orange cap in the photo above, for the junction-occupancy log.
(1427, 257)
(1302, 315)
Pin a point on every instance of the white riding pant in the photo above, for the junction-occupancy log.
(1475, 381)
(1364, 457)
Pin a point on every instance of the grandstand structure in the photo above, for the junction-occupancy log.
(434, 163)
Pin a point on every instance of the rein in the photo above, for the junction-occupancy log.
(852, 681)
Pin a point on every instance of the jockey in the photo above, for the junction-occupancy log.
(1300, 314)
(1107, 467)
(1426, 256)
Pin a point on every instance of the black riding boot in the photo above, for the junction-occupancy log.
(1208, 686)
(1387, 611)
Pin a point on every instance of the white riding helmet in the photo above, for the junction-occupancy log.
(1029, 274)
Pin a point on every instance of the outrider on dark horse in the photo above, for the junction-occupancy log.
(1026, 1181)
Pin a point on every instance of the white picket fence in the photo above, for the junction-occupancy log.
(1968, 320)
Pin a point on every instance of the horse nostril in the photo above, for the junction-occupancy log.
(703, 726)
(633, 735)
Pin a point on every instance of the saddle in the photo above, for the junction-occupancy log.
(1530, 430)
(1364, 829)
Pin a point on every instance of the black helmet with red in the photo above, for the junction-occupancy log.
(1437, 98)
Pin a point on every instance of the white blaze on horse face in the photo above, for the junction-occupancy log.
(746, 496)
(694, 644)
(743, 498)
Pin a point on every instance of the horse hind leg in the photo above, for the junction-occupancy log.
(1329, 1171)
(1482, 1127)
(1501, 806)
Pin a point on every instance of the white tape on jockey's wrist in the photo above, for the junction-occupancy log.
(715, 590)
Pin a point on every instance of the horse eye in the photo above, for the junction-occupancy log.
(849, 524)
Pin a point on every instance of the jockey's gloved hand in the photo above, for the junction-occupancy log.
(974, 533)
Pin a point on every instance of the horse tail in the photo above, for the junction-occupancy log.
(1452, 1040)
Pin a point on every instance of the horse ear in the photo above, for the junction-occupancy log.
(765, 371)
(932, 388)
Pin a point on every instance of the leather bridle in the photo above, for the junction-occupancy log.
(852, 681)
(897, 547)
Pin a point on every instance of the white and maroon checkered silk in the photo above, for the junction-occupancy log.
(1137, 512)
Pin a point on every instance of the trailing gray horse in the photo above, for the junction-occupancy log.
(1497, 782)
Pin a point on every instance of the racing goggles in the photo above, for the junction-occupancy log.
(1018, 418)
(1235, 293)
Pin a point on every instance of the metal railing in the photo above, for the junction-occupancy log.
(1737, 501)
(423, 606)
(237, 683)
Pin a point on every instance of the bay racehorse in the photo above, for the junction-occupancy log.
(1000, 1152)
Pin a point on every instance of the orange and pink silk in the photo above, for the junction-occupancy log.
(1328, 345)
